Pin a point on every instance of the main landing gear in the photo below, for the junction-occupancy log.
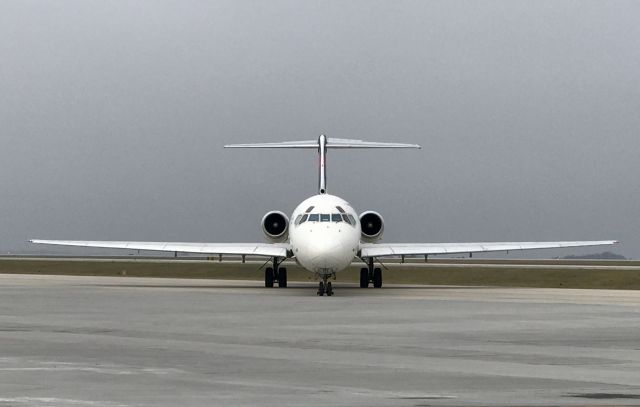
(324, 287)
(370, 274)
(275, 274)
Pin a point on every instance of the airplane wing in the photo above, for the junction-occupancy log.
(249, 249)
(419, 249)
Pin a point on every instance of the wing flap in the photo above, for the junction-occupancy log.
(407, 249)
(250, 249)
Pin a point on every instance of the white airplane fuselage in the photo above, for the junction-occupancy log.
(324, 234)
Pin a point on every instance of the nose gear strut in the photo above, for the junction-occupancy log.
(324, 287)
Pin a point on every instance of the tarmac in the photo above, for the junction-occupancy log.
(421, 265)
(124, 341)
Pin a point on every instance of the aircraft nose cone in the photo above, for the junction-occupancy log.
(321, 247)
(324, 252)
(321, 255)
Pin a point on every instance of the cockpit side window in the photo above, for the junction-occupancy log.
(298, 218)
(309, 209)
(314, 217)
(336, 217)
(325, 217)
(346, 219)
(339, 208)
(352, 219)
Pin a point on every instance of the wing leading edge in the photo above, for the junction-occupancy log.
(249, 249)
(408, 249)
(366, 249)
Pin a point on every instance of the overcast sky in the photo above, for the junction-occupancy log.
(113, 116)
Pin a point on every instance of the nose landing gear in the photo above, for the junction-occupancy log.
(324, 287)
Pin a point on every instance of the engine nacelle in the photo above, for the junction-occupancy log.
(372, 226)
(275, 226)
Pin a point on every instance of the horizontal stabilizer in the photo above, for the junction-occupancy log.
(344, 143)
(331, 143)
(322, 144)
(285, 144)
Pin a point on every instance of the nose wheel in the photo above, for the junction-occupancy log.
(324, 287)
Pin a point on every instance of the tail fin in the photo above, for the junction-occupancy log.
(322, 144)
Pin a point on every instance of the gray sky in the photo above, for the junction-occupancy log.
(114, 115)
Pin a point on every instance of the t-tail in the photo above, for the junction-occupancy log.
(322, 144)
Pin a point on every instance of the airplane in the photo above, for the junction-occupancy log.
(324, 234)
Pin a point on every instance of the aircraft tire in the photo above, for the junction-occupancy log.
(377, 278)
(329, 290)
(282, 277)
(364, 278)
(268, 277)
(321, 289)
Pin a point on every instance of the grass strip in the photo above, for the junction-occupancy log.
(553, 276)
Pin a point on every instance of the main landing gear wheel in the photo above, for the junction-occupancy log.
(370, 274)
(377, 278)
(329, 290)
(282, 277)
(275, 273)
(321, 289)
(268, 277)
(364, 278)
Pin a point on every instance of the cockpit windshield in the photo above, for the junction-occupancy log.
(324, 217)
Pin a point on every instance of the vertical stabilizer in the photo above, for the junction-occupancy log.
(322, 158)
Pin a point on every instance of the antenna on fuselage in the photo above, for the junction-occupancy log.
(322, 144)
